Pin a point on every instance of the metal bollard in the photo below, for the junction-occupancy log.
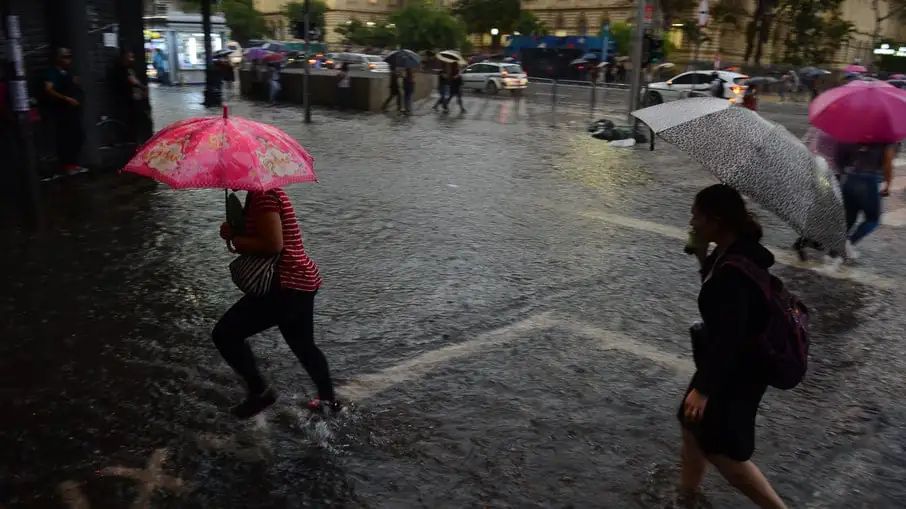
(554, 103)
(594, 95)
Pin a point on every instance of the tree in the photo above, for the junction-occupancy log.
(480, 16)
(894, 9)
(381, 35)
(295, 11)
(676, 9)
(530, 24)
(622, 34)
(695, 35)
(244, 21)
(759, 27)
(423, 27)
(817, 30)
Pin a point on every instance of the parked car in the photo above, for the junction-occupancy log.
(359, 62)
(494, 76)
(683, 85)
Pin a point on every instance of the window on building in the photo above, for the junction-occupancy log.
(582, 24)
(190, 49)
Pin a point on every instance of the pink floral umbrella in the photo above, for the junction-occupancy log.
(855, 68)
(861, 112)
(223, 153)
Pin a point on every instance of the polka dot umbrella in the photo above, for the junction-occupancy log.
(758, 158)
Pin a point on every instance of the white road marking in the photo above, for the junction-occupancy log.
(895, 218)
(781, 256)
(612, 340)
(369, 385)
(150, 478)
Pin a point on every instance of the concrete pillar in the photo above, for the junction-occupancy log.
(132, 36)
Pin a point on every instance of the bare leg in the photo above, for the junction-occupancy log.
(746, 477)
(693, 467)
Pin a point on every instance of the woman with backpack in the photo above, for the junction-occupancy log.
(719, 409)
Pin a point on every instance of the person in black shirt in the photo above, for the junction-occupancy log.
(61, 89)
(129, 93)
(455, 87)
(394, 91)
(719, 410)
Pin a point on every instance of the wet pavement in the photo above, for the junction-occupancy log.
(505, 303)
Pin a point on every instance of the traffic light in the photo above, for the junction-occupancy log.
(656, 51)
(314, 31)
(652, 50)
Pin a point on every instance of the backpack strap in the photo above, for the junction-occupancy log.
(758, 275)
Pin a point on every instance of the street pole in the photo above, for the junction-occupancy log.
(636, 84)
(306, 100)
(18, 96)
(212, 96)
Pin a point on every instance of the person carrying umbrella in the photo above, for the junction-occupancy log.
(455, 88)
(408, 89)
(868, 119)
(394, 91)
(443, 87)
(279, 279)
(867, 175)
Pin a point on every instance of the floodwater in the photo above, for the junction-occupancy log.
(505, 305)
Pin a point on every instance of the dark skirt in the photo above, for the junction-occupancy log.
(727, 427)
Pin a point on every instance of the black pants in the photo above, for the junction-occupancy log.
(457, 93)
(69, 135)
(290, 310)
(399, 100)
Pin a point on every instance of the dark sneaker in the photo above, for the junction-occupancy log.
(321, 405)
(254, 404)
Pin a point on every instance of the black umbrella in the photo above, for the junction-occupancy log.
(404, 58)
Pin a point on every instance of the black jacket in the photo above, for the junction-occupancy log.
(734, 311)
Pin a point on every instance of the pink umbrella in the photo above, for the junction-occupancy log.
(898, 77)
(855, 68)
(224, 153)
(861, 112)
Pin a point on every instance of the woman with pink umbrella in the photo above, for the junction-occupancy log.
(868, 118)
(278, 277)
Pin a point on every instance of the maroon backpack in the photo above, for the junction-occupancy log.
(785, 340)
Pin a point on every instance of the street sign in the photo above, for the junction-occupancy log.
(649, 13)
(703, 13)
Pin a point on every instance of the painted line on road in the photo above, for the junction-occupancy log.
(369, 385)
(781, 256)
(612, 340)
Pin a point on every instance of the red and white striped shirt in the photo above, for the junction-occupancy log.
(295, 270)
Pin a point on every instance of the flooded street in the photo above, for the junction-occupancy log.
(505, 304)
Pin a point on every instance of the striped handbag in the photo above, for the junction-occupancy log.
(254, 275)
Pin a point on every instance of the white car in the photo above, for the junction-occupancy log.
(692, 83)
(493, 77)
(359, 62)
